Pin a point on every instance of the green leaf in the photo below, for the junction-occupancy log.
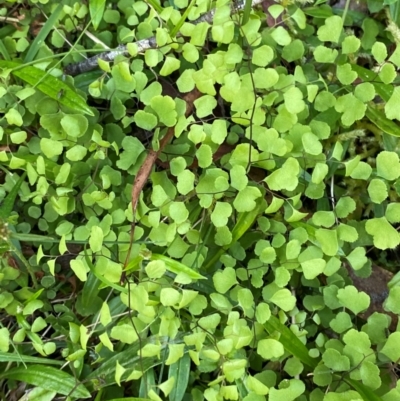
(290, 341)
(205, 105)
(366, 393)
(292, 390)
(378, 118)
(341, 323)
(96, 8)
(352, 108)
(176, 28)
(285, 177)
(96, 239)
(75, 125)
(130, 399)
(325, 54)
(177, 267)
(262, 56)
(4, 339)
(49, 85)
(79, 268)
(294, 100)
(132, 149)
(281, 36)
(311, 144)
(313, 268)
(331, 30)
(392, 303)
(379, 51)
(44, 31)
(246, 200)
(357, 258)
(270, 348)
(377, 190)
(293, 51)
(170, 65)
(388, 165)
(20, 358)
(344, 207)
(393, 104)
(351, 298)
(334, 360)
(224, 280)
(393, 212)
(370, 375)
(350, 44)
(387, 73)
(384, 234)
(49, 378)
(14, 117)
(8, 203)
(345, 74)
(221, 213)
(164, 106)
(284, 299)
(131, 360)
(180, 371)
(51, 148)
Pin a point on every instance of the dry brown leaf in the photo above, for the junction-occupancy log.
(145, 170)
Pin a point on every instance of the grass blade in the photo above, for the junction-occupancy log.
(243, 224)
(177, 267)
(366, 393)
(4, 52)
(96, 8)
(49, 378)
(130, 399)
(378, 118)
(13, 357)
(246, 12)
(178, 26)
(180, 370)
(9, 201)
(44, 32)
(290, 341)
(49, 85)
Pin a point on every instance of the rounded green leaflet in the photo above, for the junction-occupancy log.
(352, 299)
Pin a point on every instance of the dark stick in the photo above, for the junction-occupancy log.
(144, 44)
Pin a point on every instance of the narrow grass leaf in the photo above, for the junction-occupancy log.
(243, 224)
(130, 359)
(43, 33)
(49, 378)
(105, 281)
(96, 8)
(182, 20)
(366, 393)
(49, 85)
(384, 91)
(8, 203)
(289, 340)
(176, 267)
(4, 51)
(179, 370)
(131, 399)
(378, 118)
(14, 357)
(246, 11)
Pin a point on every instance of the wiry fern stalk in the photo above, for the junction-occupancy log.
(144, 44)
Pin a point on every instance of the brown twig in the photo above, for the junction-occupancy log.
(145, 170)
